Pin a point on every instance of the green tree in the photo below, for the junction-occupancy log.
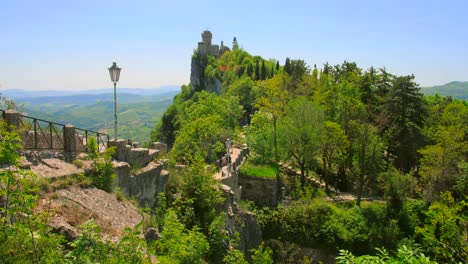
(439, 162)
(401, 121)
(287, 66)
(180, 244)
(200, 139)
(204, 104)
(333, 149)
(444, 233)
(257, 71)
(263, 72)
(403, 255)
(262, 255)
(24, 236)
(368, 157)
(397, 187)
(301, 133)
(90, 247)
(199, 197)
(102, 171)
(235, 45)
(260, 136)
(243, 90)
(273, 100)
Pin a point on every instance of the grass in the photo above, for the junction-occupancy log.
(266, 171)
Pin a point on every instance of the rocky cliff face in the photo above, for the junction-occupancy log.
(198, 79)
(242, 222)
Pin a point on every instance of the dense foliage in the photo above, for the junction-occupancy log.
(367, 132)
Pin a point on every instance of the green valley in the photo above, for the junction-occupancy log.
(137, 114)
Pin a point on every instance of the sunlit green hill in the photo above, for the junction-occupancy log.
(137, 114)
(457, 90)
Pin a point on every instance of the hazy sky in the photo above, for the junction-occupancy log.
(69, 44)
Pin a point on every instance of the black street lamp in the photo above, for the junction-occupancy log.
(114, 72)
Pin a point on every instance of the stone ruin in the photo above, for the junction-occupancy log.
(139, 173)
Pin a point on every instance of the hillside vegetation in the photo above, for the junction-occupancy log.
(363, 131)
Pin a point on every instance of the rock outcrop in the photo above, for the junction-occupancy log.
(55, 168)
(138, 175)
(68, 208)
(242, 222)
(264, 192)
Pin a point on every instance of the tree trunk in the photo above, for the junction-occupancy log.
(360, 188)
(274, 138)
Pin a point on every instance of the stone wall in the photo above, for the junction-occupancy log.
(242, 222)
(231, 178)
(264, 192)
(138, 174)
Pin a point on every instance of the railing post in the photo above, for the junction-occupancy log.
(51, 137)
(12, 118)
(69, 142)
(35, 132)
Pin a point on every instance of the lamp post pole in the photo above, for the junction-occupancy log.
(115, 110)
(114, 72)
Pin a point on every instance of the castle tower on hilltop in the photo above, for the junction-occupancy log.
(206, 37)
(206, 47)
(198, 80)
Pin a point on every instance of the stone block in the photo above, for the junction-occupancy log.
(159, 146)
(148, 182)
(121, 149)
(264, 192)
(123, 177)
(138, 157)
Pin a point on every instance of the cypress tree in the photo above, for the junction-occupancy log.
(234, 44)
(287, 65)
(257, 71)
(277, 65)
(241, 71)
(263, 72)
(249, 70)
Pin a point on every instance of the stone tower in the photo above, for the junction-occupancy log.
(197, 74)
(206, 37)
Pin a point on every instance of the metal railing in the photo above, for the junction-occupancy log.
(39, 134)
(101, 138)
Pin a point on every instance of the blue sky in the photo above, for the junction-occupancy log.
(69, 44)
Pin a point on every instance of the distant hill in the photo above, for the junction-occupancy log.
(457, 90)
(21, 94)
(138, 109)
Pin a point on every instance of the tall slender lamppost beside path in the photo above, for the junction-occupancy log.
(114, 72)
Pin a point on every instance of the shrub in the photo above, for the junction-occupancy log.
(180, 244)
(102, 171)
(78, 163)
